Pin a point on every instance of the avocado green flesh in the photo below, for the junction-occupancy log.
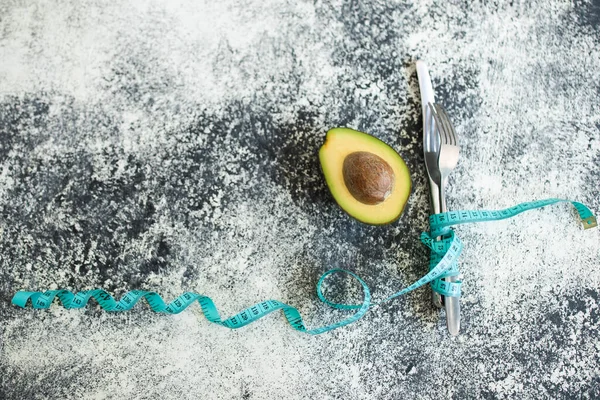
(339, 143)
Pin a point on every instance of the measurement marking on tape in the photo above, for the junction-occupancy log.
(443, 263)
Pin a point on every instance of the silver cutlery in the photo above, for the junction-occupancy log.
(440, 150)
(448, 158)
(431, 147)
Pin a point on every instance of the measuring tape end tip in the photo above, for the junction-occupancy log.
(590, 222)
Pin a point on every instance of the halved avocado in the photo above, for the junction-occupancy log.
(367, 178)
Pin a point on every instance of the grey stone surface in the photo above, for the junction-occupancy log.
(172, 146)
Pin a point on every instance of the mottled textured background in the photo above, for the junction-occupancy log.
(172, 146)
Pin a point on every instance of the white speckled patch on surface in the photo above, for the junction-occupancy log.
(172, 146)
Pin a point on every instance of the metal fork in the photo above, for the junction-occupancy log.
(448, 158)
(448, 150)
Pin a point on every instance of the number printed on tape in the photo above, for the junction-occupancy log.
(443, 262)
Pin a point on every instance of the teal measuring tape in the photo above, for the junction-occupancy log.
(445, 253)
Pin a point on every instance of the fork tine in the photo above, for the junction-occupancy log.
(452, 131)
(445, 123)
(439, 124)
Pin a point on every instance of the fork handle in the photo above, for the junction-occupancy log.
(443, 207)
(436, 208)
(452, 304)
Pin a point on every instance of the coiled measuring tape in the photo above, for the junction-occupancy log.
(445, 253)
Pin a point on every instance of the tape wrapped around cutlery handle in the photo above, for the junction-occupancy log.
(447, 252)
(440, 225)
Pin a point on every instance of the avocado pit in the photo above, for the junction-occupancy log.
(368, 177)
